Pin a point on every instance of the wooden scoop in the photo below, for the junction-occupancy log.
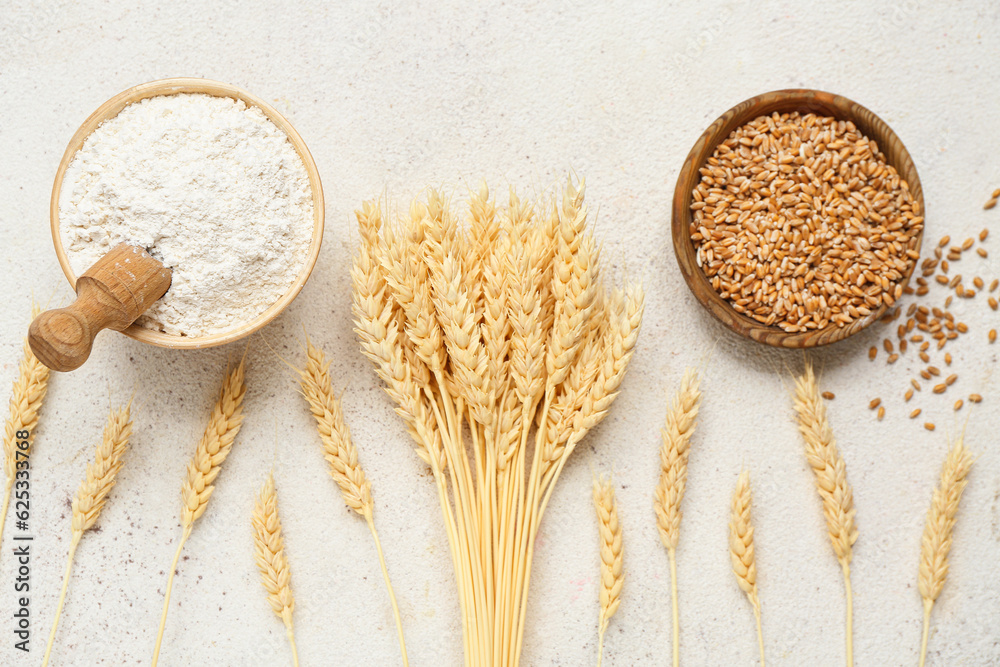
(112, 294)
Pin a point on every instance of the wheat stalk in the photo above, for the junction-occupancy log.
(936, 541)
(741, 551)
(342, 456)
(612, 574)
(269, 551)
(93, 494)
(26, 399)
(676, 435)
(212, 450)
(831, 482)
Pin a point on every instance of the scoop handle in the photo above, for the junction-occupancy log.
(112, 294)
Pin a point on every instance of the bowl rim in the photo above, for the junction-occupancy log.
(785, 100)
(175, 86)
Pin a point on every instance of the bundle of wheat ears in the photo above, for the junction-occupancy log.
(482, 331)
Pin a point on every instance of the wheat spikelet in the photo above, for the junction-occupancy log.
(342, 455)
(484, 231)
(379, 333)
(831, 482)
(572, 394)
(508, 435)
(460, 322)
(544, 236)
(612, 574)
(411, 292)
(741, 540)
(202, 470)
(338, 449)
(93, 494)
(269, 552)
(574, 285)
(214, 447)
(676, 435)
(527, 362)
(827, 464)
(741, 551)
(936, 541)
(26, 398)
(598, 372)
(496, 327)
(623, 333)
(101, 474)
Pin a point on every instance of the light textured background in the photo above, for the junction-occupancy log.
(392, 97)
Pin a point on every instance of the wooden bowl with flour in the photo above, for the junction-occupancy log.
(175, 86)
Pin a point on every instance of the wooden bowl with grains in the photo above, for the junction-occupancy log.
(798, 218)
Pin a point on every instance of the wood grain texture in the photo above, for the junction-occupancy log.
(111, 294)
(780, 101)
(175, 86)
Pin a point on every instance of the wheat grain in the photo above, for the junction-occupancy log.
(676, 435)
(342, 455)
(936, 542)
(269, 552)
(27, 395)
(612, 573)
(203, 469)
(741, 549)
(761, 171)
(831, 482)
(92, 495)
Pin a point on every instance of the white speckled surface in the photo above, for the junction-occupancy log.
(394, 96)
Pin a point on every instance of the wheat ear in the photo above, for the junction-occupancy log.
(831, 482)
(741, 551)
(26, 399)
(213, 448)
(269, 550)
(676, 434)
(93, 494)
(612, 574)
(936, 542)
(342, 456)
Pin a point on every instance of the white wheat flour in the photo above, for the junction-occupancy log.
(212, 188)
